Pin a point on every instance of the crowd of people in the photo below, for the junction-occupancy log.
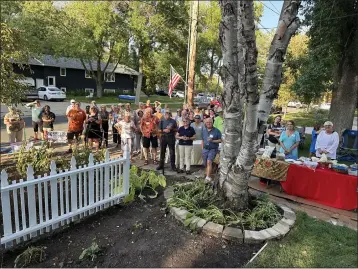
(283, 136)
(152, 126)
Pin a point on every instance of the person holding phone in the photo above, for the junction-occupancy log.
(186, 135)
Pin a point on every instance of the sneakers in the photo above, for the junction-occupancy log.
(207, 179)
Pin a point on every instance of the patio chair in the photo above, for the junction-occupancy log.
(348, 150)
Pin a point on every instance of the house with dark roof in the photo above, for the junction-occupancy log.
(69, 74)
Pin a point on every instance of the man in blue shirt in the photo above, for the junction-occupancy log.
(210, 145)
(167, 129)
(36, 110)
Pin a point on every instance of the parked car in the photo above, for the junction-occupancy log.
(179, 94)
(201, 102)
(162, 92)
(31, 94)
(51, 93)
(294, 104)
(325, 106)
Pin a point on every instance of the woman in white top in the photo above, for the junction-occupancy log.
(127, 129)
(327, 141)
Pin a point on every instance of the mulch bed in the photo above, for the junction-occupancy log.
(138, 235)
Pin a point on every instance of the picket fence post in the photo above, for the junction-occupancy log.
(91, 182)
(5, 206)
(31, 200)
(106, 179)
(74, 205)
(54, 195)
(126, 167)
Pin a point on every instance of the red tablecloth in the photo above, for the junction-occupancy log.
(323, 186)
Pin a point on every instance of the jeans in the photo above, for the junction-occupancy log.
(167, 140)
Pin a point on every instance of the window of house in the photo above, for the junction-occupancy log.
(89, 90)
(62, 72)
(63, 89)
(51, 81)
(125, 91)
(87, 74)
(109, 90)
(108, 77)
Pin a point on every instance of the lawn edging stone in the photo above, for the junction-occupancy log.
(277, 231)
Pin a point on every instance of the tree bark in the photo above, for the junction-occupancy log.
(99, 80)
(287, 26)
(231, 93)
(345, 97)
(235, 184)
(193, 37)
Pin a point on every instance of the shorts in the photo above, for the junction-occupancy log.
(49, 129)
(209, 155)
(147, 141)
(36, 126)
(71, 135)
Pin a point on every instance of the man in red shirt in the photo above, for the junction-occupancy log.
(76, 118)
(149, 129)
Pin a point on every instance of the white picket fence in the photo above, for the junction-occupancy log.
(35, 206)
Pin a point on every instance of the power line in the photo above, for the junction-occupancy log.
(264, 27)
(274, 6)
(270, 8)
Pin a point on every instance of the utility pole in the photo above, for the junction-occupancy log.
(192, 58)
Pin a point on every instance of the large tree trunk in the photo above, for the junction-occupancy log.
(235, 184)
(99, 80)
(345, 97)
(287, 26)
(231, 95)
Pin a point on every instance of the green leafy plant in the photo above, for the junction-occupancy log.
(264, 214)
(31, 255)
(38, 157)
(90, 253)
(200, 201)
(141, 182)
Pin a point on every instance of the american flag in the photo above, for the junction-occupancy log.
(174, 79)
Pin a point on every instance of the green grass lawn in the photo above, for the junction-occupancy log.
(306, 118)
(311, 243)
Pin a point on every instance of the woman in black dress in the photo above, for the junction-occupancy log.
(94, 124)
(105, 126)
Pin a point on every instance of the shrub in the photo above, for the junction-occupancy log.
(199, 200)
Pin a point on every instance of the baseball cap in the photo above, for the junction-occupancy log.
(73, 101)
(197, 117)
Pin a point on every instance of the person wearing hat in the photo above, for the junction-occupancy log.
(71, 106)
(327, 141)
(198, 126)
(167, 129)
(36, 111)
(14, 125)
(219, 120)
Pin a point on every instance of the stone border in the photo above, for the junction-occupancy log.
(279, 230)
